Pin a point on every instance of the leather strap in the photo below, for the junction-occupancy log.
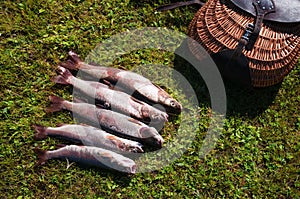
(263, 7)
(287, 11)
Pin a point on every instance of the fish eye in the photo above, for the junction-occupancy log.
(106, 105)
(173, 103)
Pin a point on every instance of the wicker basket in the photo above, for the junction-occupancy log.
(219, 25)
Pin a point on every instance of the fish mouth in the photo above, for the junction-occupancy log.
(136, 149)
(151, 136)
(159, 118)
(159, 141)
(176, 105)
(173, 106)
(133, 169)
(155, 141)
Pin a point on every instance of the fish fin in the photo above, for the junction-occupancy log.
(160, 88)
(65, 73)
(122, 68)
(69, 65)
(40, 132)
(163, 87)
(105, 105)
(110, 85)
(57, 104)
(58, 146)
(137, 101)
(106, 155)
(83, 124)
(73, 62)
(100, 105)
(42, 156)
(60, 124)
(59, 80)
(135, 121)
(114, 140)
(74, 57)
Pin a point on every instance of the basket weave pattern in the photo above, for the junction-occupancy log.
(219, 25)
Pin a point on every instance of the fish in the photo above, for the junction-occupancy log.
(129, 82)
(89, 156)
(112, 99)
(113, 122)
(89, 136)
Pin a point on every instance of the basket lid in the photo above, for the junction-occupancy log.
(287, 11)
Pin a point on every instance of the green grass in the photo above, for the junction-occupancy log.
(257, 155)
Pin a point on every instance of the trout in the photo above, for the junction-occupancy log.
(116, 123)
(112, 99)
(88, 155)
(89, 136)
(129, 82)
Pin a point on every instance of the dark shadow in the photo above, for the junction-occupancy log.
(241, 100)
(122, 179)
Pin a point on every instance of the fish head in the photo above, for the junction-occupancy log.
(116, 161)
(125, 164)
(132, 167)
(158, 116)
(173, 105)
(170, 103)
(151, 136)
(155, 114)
(135, 148)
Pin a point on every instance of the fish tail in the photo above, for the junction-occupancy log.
(57, 104)
(65, 73)
(58, 146)
(42, 156)
(59, 79)
(73, 62)
(69, 64)
(65, 76)
(40, 132)
(74, 57)
(60, 124)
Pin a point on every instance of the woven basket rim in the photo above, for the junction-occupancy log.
(277, 48)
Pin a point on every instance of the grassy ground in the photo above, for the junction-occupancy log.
(257, 155)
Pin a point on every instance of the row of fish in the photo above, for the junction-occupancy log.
(120, 118)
